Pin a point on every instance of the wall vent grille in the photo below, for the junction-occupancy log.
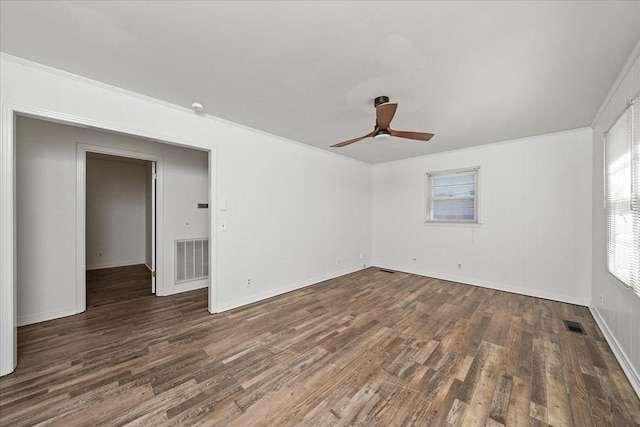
(192, 260)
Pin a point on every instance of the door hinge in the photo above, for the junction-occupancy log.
(153, 274)
(154, 176)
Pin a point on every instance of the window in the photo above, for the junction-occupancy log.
(452, 196)
(622, 156)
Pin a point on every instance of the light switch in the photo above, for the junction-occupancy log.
(223, 205)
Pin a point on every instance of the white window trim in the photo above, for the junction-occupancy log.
(629, 287)
(428, 199)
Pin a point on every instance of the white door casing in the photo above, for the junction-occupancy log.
(154, 177)
(8, 282)
(157, 215)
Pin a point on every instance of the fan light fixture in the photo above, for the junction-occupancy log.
(381, 134)
(385, 111)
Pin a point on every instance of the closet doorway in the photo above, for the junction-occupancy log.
(120, 224)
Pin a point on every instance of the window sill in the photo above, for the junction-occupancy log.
(454, 223)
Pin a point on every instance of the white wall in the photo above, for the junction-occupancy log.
(293, 211)
(619, 313)
(535, 213)
(115, 210)
(46, 212)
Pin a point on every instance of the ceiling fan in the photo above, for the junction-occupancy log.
(385, 111)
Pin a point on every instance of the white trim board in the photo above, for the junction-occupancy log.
(618, 352)
(616, 85)
(119, 90)
(212, 303)
(43, 317)
(116, 264)
(491, 285)
(186, 287)
(8, 309)
(285, 289)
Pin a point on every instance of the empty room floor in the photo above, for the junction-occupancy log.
(370, 348)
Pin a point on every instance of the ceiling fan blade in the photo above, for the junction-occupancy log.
(351, 141)
(420, 136)
(384, 114)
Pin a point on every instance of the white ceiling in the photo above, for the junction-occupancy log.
(471, 72)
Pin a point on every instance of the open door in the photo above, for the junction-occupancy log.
(154, 177)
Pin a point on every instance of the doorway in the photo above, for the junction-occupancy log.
(52, 290)
(120, 214)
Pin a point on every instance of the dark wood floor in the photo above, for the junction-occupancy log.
(106, 286)
(370, 348)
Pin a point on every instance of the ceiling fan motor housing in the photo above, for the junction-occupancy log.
(380, 100)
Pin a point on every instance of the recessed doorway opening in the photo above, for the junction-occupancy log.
(120, 228)
(53, 163)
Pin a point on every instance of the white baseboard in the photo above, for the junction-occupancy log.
(497, 286)
(623, 360)
(113, 264)
(185, 287)
(43, 317)
(225, 306)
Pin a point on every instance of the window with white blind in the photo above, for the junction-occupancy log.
(452, 196)
(622, 157)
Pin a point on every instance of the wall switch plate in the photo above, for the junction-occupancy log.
(223, 205)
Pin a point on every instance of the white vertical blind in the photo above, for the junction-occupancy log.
(452, 195)
(623, 197)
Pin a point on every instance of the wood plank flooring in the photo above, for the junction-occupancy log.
(366, 349)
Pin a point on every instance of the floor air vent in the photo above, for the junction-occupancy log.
(192, 260)
(387, 271)
(574, 327)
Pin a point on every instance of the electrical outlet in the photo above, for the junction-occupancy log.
(249, 282)
(100, 254)
(361, 256)
(459, 266)
(414, 259)
(338, 261)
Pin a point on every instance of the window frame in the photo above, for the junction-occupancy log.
(429, 199)
(631, 114)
